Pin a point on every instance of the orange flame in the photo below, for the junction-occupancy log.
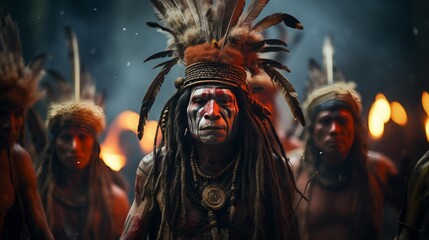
(427, 128)
(399, 115)
(379, 114)
(111, 152)
(425, 102)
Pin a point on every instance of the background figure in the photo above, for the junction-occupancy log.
(77, 189)
(346, 189)
(21, 211)
(268, 94)
(414, 222)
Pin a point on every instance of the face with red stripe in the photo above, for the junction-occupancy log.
(212, 114)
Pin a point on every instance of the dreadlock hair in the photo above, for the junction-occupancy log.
(98, 219)
(264, 173)
(364, 202)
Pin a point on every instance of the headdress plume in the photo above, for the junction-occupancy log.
(218, 41)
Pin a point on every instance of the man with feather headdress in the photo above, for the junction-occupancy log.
(220, 171)
(21, 211)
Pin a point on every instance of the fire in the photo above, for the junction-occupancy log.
(425, 102)
(427, 128)
(399, 115)
(379, 114)
(111, 152)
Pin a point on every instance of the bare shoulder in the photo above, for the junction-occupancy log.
(381, 164)
(119, 196)
(24, 167)
(294, 157)
(421, 170)
(422, 165)
(147, 163)
(20, 155)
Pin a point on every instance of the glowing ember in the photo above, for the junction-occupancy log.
(399, 115)
(111, 152)
(114, 160)
(425, 102)
(382, 107)
(375, 124)
(379, 114)
(427, 128)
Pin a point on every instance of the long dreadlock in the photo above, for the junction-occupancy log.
(264, 166)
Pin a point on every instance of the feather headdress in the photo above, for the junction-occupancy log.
(218, 42)
(18, 82)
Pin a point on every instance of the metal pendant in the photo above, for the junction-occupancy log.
(213, 197)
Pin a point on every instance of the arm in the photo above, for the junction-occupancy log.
(415, 211)
(27, 190)
(141, 211)
(120, 206)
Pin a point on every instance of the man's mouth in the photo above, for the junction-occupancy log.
(212, 128)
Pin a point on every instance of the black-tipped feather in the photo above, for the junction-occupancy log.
(273, 49)
(175, 60)
(275, 19)
(288, 91)
(162, 54)
(274, 63)
(275, 42)
(156, 25)
(151, 94)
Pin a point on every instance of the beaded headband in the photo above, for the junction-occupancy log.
(199, 73)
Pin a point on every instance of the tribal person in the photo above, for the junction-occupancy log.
(77, 189)
(21, 211)
(220, 171)
(414, 220)
(343, 187)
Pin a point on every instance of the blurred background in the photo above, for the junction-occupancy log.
(381, 45)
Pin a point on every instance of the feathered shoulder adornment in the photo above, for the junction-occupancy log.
(218, 41)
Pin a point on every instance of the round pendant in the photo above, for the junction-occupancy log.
(213, 197)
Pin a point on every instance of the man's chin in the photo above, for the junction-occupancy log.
(213, 140)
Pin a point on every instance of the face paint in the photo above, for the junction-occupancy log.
(212, 114)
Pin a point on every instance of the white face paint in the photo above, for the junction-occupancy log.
(212, 114)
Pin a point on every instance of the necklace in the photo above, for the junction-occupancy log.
(197, 171)
(212, 191)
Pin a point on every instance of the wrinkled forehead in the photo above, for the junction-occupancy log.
(212, 90)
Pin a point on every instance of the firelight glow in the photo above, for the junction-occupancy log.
(111, 153)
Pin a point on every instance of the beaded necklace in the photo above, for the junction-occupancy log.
(210, 192)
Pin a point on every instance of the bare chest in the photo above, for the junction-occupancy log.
(7, 193)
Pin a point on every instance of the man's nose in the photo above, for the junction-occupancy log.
(212, 110)
(335, 128)
(75, 142)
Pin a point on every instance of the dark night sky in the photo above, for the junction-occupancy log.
(382, 45)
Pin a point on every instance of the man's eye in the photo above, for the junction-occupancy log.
(224, 101)
(198, 100)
